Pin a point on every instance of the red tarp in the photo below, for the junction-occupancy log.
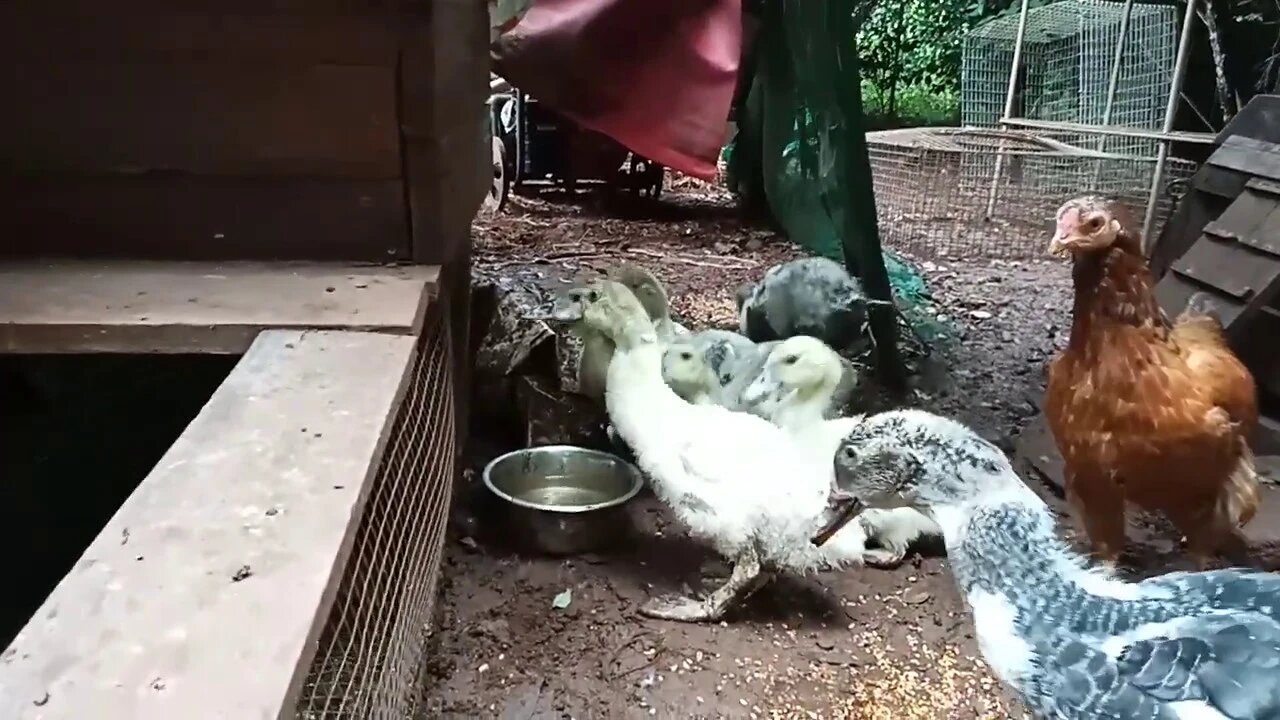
(658, 76)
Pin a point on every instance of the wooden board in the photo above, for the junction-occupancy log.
(1232, 268)
(190, 218)
(126, 306)
(234, 117)
(83, 30)
(1247, 155)
(447, 162)
(204, 596)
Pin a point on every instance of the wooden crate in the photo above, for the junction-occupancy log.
(331, 130)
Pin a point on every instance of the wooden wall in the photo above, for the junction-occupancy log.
(330, 129)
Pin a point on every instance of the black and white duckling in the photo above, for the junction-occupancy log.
(1076, 642)
(736, 480)
(798, 389)
(650, 292)
(809, 296)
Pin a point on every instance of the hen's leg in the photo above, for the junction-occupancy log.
(1099, 503)
(1209, 534)
(747, 577)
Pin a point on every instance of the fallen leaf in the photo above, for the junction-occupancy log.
(562, 600)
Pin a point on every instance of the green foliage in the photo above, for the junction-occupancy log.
(910, 52)
(916, 106)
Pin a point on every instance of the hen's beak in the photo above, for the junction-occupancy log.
(1062, 243)
(840, 510)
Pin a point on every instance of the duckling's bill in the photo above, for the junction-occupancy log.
(841, 509)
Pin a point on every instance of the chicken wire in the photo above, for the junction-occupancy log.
(1068, 51)
(933, 186)
(373, 649)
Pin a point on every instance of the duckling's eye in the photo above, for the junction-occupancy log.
(575, 296)
(849, 453)
(592, 296)
(790, 360)
(686, 355)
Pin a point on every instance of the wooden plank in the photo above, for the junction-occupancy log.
(444, 83)
(1260, 352)
(1221, 182)
(204, 596)
(90, 31)
(1245, 275)
(1253, 220)
(206, 118)
(1247, 155)
(131, 306)
(1111, 130)
(193, 218)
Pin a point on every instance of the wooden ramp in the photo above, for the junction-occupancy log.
(204, 596)
(199, 307)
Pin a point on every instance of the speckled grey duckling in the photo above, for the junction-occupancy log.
(1075, 642)
(810, 296)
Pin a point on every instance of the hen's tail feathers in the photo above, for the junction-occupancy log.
(1201, 306)
(1199, 329)
(1239, 500)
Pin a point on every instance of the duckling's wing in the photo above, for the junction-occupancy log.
(1208, 666)
(748, 456)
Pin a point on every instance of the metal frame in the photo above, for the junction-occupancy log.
(1166, 136)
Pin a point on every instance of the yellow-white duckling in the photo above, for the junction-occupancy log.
(700, 366)
(794, 390)
(686, 371)
(736, 480)
(652, 295)
(597, 349)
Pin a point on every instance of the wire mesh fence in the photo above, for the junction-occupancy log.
(938, 194)
(373, 648)
(1068, 52)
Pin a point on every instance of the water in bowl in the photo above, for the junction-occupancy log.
(565, 495)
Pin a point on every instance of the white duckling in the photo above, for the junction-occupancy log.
(1075, 642)
(795, 390)
(652, 295)
(736, 480)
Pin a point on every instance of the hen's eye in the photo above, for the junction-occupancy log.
(790, 360)
(1093, 224)
(686, 355)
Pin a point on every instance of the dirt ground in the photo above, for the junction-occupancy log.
(863, 643)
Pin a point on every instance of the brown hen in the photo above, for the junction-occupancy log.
(1144, 410)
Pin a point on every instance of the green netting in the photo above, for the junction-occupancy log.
(794, 151)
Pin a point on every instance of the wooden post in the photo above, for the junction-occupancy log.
(860, 235)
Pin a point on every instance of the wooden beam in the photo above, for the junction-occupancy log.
(205, 595)
(143, 307)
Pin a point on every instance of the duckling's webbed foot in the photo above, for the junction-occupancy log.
(893, 537)
(747, 577)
